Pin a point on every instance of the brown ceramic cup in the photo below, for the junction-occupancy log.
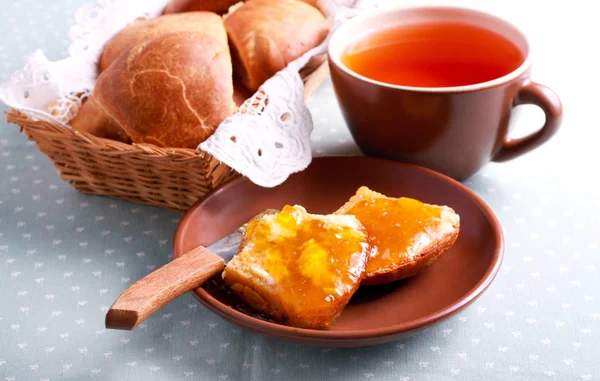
(453, 130)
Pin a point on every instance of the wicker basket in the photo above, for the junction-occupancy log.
(172, 178)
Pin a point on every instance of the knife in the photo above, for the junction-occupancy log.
(186, 273)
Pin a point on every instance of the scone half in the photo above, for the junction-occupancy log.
(406, 235)
(299, 268)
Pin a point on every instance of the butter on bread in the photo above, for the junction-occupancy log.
(171, 91)
(406, 235)
(142, 29)
(266, 35)
(299, 268)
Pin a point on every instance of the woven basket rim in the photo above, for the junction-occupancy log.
(104, 144)
(317, 65)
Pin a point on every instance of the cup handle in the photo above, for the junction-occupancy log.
(546, 99)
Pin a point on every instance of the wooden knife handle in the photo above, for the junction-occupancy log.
(161, 286)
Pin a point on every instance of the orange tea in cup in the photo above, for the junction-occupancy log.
(436, 86)
(433, 54)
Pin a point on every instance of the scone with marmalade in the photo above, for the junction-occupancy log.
(406, 235)
(299, 268)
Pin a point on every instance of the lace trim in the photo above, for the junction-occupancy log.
(54, 90)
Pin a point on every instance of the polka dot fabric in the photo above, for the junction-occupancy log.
(66, 256)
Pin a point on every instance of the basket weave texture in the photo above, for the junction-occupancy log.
(171, 178)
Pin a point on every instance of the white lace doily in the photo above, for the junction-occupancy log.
(54, 90)
(266, 142)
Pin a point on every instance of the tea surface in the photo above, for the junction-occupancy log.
(442, 54)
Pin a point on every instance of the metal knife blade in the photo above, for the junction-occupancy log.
(228, 246)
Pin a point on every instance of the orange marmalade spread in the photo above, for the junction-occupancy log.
(399, 228)
(312, 262)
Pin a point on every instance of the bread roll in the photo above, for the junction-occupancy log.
(216, 6)
(141, 30)
(172, 91)
(265, 35)
(93, 120)
(314, 3)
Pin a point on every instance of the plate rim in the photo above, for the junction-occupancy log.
(281, 330)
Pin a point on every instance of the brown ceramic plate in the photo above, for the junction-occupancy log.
(376, 314)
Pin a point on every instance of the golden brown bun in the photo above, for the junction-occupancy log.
(216, 6)
(265, 35)
(92, 119)
(302, 282)
(314, 3)
(141, 30)
(442, 241)
(172, 91)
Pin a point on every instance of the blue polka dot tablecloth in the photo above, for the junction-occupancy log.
(66, 256)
